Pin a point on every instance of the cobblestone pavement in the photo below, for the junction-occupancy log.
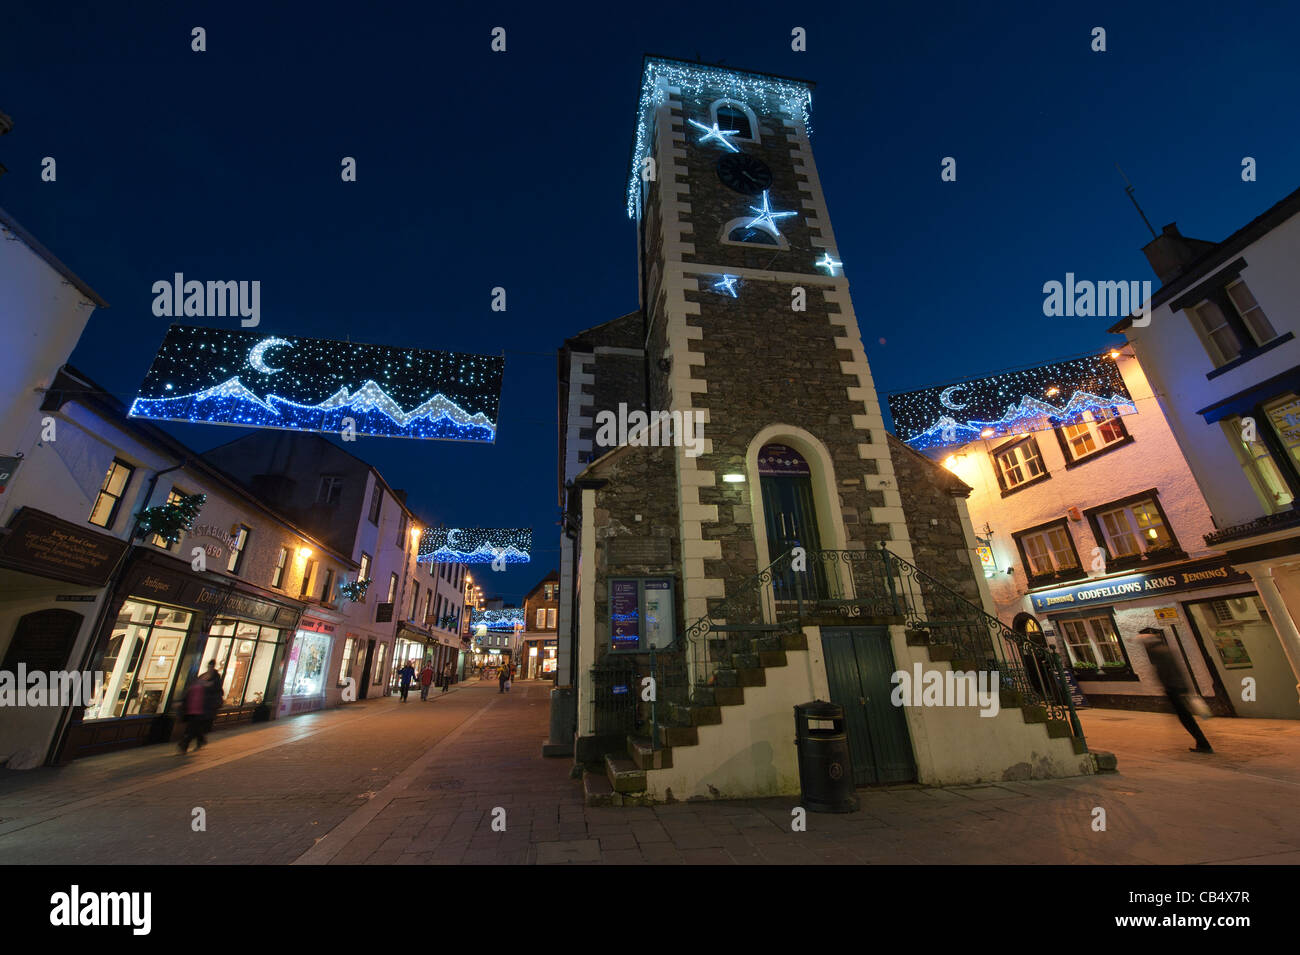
(381, 782)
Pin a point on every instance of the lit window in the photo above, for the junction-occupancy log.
(1257, 461)
(1048, 551)
(392, 588)
(278, 578)
(327, 590)
(1094, 431)
(237, 552)
(1092, 643)
(307, 574)
(1134, 529)
(345, 671)
(541, 618)
(1020, 464)
(550, 618)
(104, 513)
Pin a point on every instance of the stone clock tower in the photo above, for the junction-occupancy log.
(750, 322)
(746, 325)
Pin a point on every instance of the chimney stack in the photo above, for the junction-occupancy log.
(1171, 252)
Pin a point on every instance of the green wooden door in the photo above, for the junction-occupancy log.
(859, 664)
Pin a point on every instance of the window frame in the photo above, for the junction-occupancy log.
(277, 579)
(104, 492)
(236, 560)
(1215, 290)
(308, 572)
(1121, 672)
(334, 493)
(724, 238)
(1067, 450)
(1014, 445)
(1058, 575)
(1174, 551)
(376, 504)
(756, 136)
(173, 496)
(326, 588)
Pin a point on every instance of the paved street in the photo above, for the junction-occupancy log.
(383, 782)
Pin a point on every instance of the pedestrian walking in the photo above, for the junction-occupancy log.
(426, 680)
(200, 703)
(446, 677)
(503, 679)
(1175, 686)
(407, 675)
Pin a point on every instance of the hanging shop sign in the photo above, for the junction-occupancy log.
(40, 543)
(1205, 573)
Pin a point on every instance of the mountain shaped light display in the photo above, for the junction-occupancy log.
(498, 621)
(476, 545)
(221, 376)
(1018, 402)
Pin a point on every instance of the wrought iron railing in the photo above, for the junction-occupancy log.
(1031, 670)
(857, 584)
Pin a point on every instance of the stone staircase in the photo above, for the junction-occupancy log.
(1009, 699)
(742, 660)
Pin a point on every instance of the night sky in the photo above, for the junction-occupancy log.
(479, 169)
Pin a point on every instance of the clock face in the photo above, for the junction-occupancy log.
(744, 173)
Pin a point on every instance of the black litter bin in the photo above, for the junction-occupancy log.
(825, 769)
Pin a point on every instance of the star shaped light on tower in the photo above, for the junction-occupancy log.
(716, 133)
(727, 284)
(766, 218)
(827, 263)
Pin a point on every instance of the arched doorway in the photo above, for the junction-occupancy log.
(790, 518)
(1034, 653)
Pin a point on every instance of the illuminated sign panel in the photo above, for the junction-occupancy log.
(254, 380)
(498, 621)
(1016, 402)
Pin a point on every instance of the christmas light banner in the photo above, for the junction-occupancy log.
(253, 380)
(1015, 402)
(476, 545)
(498, 621)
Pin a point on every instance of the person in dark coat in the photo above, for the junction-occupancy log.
(446, 676)
(1175, 686)
(199, 707)
(503, 678)
(407, 674)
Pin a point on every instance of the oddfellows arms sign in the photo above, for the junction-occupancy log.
(1203, 573)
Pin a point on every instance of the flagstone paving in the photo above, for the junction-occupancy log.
(460, 780)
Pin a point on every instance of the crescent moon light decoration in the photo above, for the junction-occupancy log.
(946, 397)
(451, 537)
(257, 356)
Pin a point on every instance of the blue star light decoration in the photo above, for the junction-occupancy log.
(829, 264)
(766, 218)
(727, 284)
(715, 133)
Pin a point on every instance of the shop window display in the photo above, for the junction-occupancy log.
(139, 661)
(305, 671)
(244, 653)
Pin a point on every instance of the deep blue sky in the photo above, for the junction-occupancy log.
(479, 170)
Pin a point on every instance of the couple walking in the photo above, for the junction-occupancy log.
(426, 679)
(504, 677)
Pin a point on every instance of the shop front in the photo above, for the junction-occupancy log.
(167, 624)
(307, 666)
(539, 658)
(53, 575)
(1207, 612)
(413, 647)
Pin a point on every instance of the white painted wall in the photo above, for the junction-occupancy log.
(1176, 364)
(42, 316)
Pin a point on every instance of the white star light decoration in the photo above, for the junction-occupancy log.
(715, 133)
(766, 218)
(727, 284)
(829, 264)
